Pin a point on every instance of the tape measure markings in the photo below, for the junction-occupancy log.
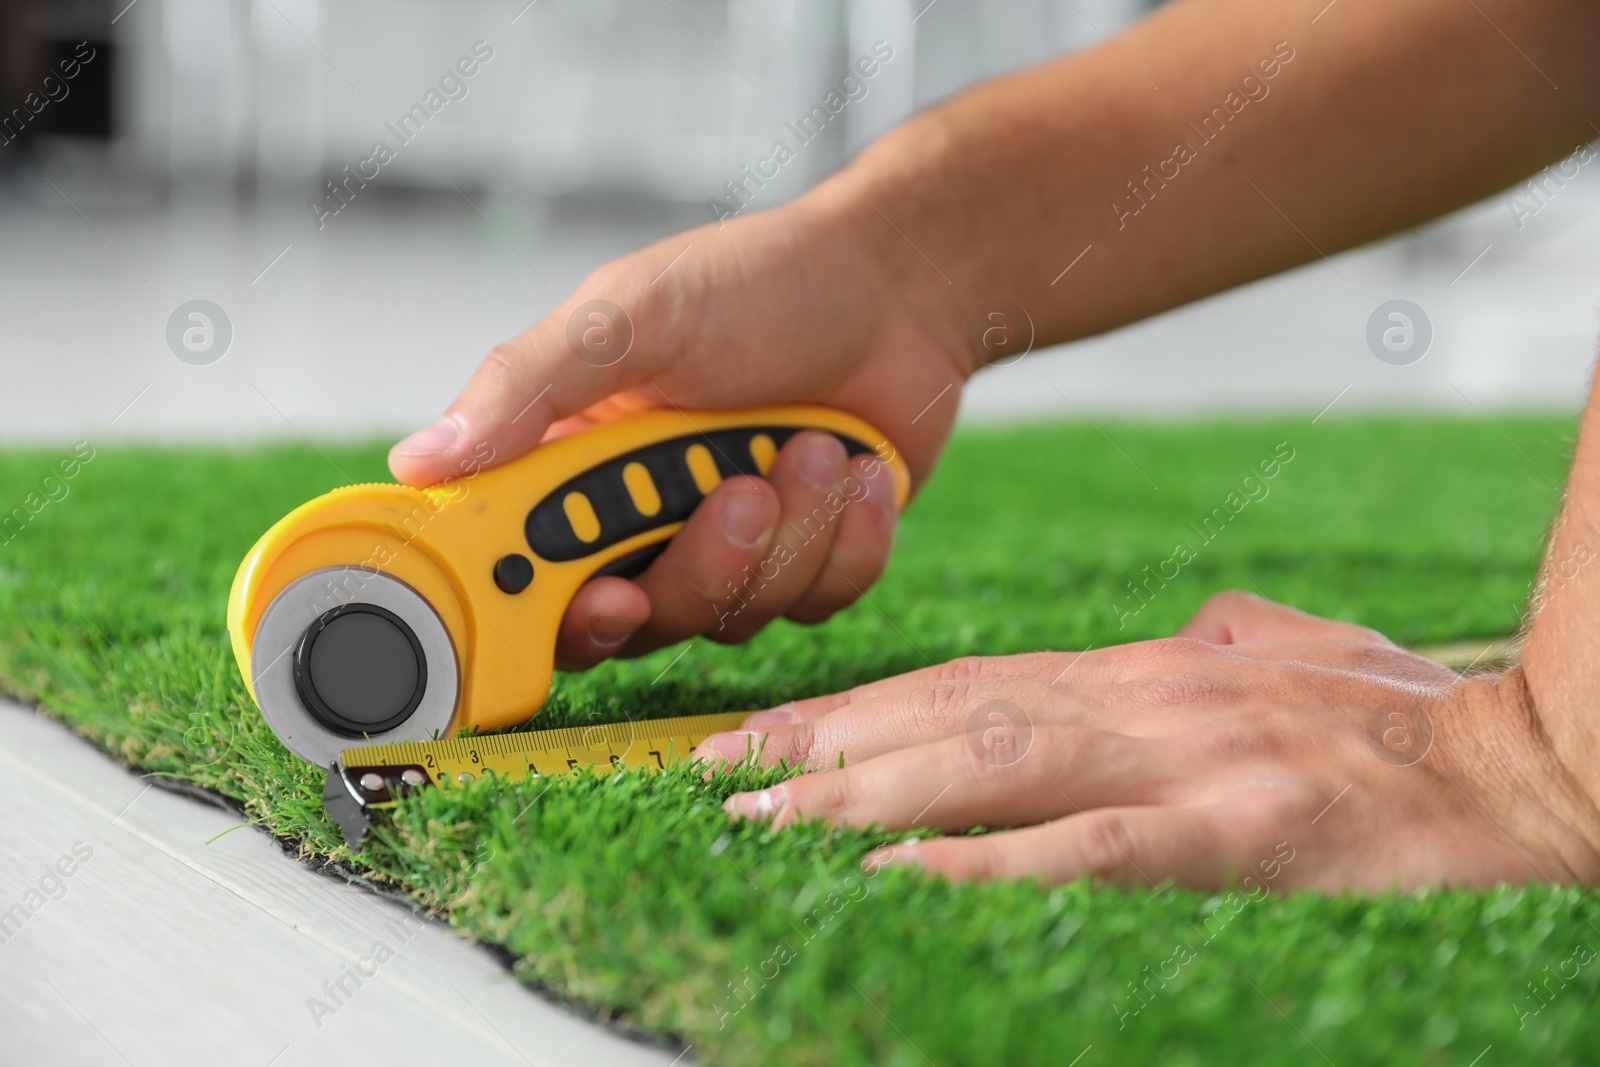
(613, 738)
(372, 776)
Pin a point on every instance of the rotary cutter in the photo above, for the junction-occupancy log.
(378, 614)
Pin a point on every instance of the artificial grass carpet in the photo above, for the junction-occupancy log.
(636, 896)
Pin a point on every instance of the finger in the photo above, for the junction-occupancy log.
(861, 731)
(614, 333)
(860, 549)
(727, 534)
(1135, 847)
(805, 473)
(964, 669)
(607, 615)
(967, 781)
(1233, 617)
(604, 614)
(947, 699)
(1109, 688)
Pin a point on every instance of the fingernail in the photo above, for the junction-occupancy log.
(760, 805)
(822, 462)
(431, 440)
(778, 716)
(607, 630)
(734, 747)
(748, 519)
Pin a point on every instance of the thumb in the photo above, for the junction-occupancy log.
(581, 353)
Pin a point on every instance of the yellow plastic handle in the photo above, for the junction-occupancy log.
(499, 553)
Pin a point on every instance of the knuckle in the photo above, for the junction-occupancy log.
(1228, 601)
(1109, 846)
(1180, 647)
(775, 744)
(500, 364)
(610, 279)
(961, 669)
(802, 740)
(947, 700)
(833, 794)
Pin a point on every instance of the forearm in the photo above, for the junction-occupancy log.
(1561, 655)
(1384, 115)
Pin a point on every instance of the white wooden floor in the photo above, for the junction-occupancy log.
(127, 938)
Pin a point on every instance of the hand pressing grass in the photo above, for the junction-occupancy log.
(634, 895)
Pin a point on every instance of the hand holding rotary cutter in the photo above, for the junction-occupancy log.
(378, 614)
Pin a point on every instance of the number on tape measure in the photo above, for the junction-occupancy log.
(374, 776)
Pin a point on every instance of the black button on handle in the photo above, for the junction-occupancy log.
(513, 573)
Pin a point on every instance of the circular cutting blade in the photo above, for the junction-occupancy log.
(350, 633)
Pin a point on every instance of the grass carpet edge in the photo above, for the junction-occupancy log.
(555, 887)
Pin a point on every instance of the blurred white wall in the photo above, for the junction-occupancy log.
(664, 97)
(598, 126)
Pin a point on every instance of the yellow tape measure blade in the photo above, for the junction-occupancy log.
(372, 776)
(642, 743)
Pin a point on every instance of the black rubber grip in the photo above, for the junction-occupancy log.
(631, 564)
(551, 535)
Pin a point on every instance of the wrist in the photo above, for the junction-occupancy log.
(1557, 703)
(1524, 752)
(882, 207)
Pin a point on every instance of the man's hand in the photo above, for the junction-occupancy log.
(862, 294)
(1259, 745)
(784, 307)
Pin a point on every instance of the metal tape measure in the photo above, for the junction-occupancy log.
(368, 777)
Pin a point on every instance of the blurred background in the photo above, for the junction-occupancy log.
(159, 152)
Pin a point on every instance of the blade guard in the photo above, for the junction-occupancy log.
(604, 499)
